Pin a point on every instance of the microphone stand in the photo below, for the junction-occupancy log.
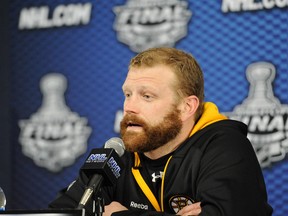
(98, 202)
(93, 190)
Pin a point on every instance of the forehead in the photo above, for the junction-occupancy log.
(156, 75)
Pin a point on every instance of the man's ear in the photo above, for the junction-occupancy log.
(189, 107)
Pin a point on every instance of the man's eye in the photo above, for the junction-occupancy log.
(127, 95)
(147, 96)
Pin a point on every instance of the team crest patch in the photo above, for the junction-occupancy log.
(178, 202)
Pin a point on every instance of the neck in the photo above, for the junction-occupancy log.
(161, 151)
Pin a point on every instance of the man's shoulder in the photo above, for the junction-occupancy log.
(219, 134)
(227, 126)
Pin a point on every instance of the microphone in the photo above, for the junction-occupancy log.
(102, 166)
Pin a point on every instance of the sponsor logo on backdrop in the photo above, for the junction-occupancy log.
(251, 5)
(54, 136)
(142, 24)
(265, 116)
(62, 15)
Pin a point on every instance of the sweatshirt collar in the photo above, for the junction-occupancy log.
(210, 115)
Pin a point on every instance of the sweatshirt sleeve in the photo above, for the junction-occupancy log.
(140, 213)
(230, 178)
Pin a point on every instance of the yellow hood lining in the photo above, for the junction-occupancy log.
(209, 116)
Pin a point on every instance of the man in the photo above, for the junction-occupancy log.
(183, 157)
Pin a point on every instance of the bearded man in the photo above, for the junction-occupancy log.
(182, 156)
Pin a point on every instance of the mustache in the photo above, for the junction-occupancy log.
(129, 120)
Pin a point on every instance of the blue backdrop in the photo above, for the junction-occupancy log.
(68, 60)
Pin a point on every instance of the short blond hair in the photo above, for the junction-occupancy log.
(186, 68)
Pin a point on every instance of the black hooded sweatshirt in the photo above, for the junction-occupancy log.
(216, 166)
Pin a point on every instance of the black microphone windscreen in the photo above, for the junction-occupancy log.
(106, 161)
(103, 167)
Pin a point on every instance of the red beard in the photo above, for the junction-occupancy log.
(151, 137)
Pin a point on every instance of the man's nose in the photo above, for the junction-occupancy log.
(131, 105)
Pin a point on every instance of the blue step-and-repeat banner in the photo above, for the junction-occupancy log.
(68, 60)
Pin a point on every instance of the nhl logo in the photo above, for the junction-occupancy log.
(143, 24)
(265, 116)
(54, 136)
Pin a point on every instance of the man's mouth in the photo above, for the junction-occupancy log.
(133, 125)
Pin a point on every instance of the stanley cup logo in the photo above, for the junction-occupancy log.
(143, 24)
(53, 87)
(54, 136)
(264, 115)
(261, 97)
